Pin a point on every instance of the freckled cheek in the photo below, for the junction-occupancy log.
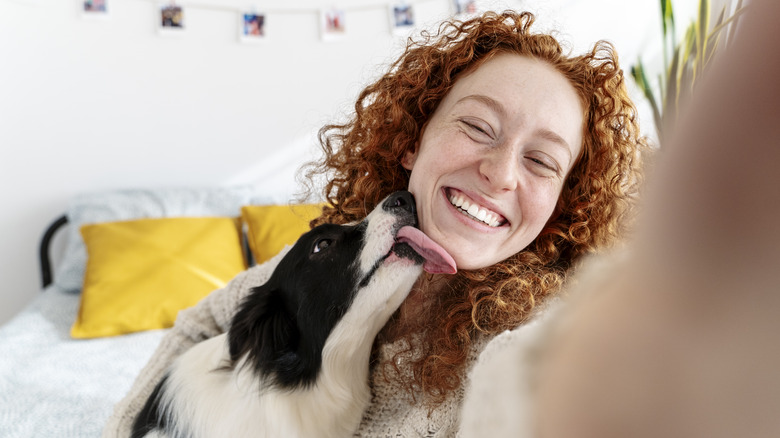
(538, 204)
(433, 164)
(449, 144)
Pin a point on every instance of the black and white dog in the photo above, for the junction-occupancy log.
(295, 360)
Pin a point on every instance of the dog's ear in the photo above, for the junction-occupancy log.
(263, 330)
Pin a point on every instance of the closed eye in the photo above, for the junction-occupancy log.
(477, 129)
(544, 164)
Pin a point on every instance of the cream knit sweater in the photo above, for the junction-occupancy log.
(392, 412)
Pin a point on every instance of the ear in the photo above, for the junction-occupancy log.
(263, 328)
(409, 158)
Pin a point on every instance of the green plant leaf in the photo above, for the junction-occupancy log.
(703, 25)
(638, 73)
(718, 23)
(667, 16)
(689, 67)
(713, 38)
(669, 34)
(687, 79)
(670, 98)
(690, 57)
(729, 24)
(733, 19)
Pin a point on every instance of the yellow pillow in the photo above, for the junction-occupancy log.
(271, 227)
(140, 273)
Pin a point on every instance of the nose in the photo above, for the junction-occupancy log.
(400, 201)
(499, 168)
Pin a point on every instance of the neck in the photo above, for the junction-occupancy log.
(413, 315)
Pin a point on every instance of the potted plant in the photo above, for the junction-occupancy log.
(684, 61)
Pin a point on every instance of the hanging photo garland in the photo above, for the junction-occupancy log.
(252, 27)
(171, 19)
(170, 16)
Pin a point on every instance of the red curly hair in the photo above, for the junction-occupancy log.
(362, 161)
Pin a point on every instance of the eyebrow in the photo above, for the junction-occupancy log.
(496, 106)
(487, 101)
(555, 139)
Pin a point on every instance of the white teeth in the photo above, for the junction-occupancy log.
(474, 211)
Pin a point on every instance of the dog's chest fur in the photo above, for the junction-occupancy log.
(295, 360)
(236, 395)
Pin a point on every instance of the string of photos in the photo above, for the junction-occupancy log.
(172, 16)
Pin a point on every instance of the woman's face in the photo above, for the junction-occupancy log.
(492, 159)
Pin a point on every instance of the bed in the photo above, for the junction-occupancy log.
(71, 354)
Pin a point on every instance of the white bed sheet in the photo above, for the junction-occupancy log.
(54, 386)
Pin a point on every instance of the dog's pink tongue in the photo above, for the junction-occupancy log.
(437, 259)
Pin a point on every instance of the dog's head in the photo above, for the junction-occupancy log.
(350, 274)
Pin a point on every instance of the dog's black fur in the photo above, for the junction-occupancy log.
(282, 326)
(269, 327)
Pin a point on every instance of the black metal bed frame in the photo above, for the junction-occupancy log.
(44, 250)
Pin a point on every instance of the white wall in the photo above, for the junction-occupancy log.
(91, 105)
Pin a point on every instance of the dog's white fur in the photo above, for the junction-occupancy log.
(334, 405)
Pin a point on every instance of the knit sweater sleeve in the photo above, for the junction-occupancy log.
(209, 318)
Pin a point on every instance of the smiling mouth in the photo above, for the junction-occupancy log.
(469, 208)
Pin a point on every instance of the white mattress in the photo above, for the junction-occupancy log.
(55, 386)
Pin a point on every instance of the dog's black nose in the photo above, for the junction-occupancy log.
(403, 201)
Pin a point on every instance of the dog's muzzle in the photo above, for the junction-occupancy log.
(412, 243)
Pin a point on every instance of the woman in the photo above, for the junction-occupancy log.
(521, 160)
(703, 266)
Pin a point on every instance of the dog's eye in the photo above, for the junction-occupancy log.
(321, 244)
